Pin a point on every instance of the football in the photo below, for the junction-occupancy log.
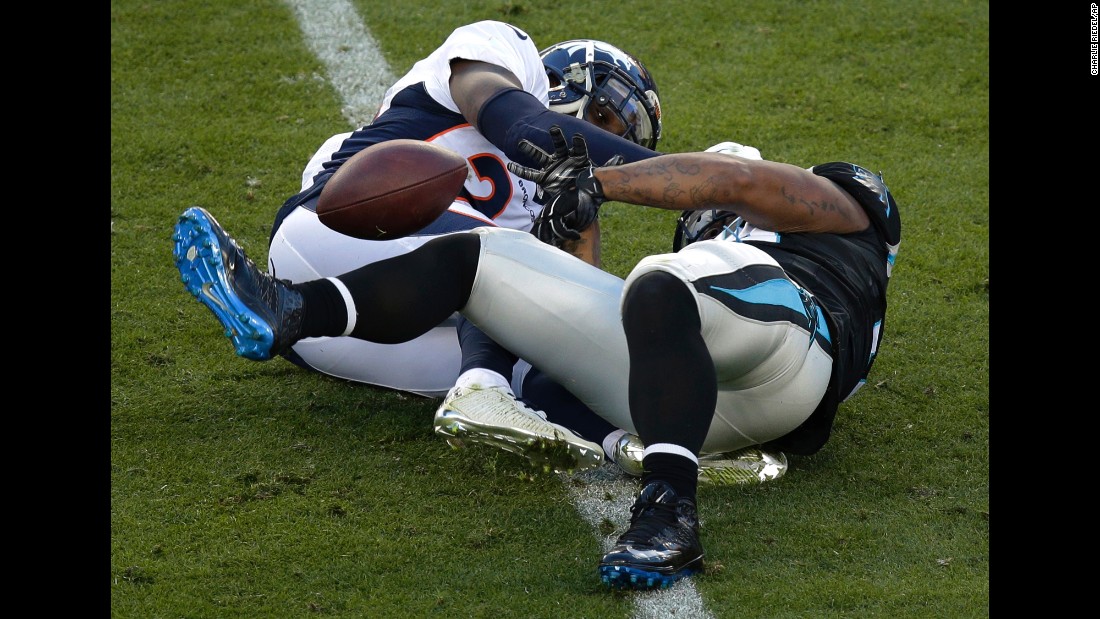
(391, 189)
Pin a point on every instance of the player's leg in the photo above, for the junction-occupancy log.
(302, 249)
(563, 408)
(482, 408)
(486, 363)
(390, 301)
(726, 352)
(672, 396)
(556, 312)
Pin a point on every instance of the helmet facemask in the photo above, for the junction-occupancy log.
(599, 90)
(607, 97)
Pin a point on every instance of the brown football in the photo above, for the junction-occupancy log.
(391, 189)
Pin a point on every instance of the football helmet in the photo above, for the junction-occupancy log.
(703, 224)
(606, 86)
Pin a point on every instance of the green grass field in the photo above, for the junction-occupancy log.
(243, 489)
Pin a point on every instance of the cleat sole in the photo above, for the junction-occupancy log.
(199, 261)
(626, 577)
(542, 454)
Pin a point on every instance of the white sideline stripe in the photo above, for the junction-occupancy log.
(354, 65)
(607, 494)
(358, 71)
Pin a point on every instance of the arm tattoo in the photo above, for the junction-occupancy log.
(662, 184)
(815, 208)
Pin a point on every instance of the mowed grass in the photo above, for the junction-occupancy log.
(243, 489)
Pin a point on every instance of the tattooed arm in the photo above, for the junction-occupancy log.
(771, 195)
(587, 247)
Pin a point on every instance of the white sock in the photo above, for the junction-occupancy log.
(485, 379)
(669, 448)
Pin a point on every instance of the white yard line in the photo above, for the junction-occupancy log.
(607, 494)
(358, 71)
(355, 66)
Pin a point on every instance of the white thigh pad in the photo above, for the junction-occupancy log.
(771, 374)
(557, 312)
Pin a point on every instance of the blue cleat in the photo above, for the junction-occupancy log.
(261, 315)
(660, 547)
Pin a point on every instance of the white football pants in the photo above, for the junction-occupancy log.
(305, 249)
(563, 316)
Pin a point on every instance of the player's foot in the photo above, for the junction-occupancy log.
(492, 416)
(660, 547)
(261, 315)
(627, 454)
(744, 466)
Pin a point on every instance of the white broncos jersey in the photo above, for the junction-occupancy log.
(420, 106)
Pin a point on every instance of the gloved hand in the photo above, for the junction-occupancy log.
(571, 212)
(570, 192)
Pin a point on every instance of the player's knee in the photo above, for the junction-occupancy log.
(457, 254)
(659, 300)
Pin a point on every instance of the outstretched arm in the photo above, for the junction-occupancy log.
(491, 99)
(771, 195)
(474, 82)
(776, 196)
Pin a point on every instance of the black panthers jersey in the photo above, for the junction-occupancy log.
(848, 275)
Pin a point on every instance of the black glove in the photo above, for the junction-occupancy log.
(569, 213)
(570, 192)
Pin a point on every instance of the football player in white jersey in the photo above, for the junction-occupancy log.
(485, 88)
(765, 320)
(479, 93)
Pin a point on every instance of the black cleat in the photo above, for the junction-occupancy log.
(660, 547)
(261, 315)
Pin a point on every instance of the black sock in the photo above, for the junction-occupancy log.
(673, 384)
(325, 313)
(680, 472)
(396, 299)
